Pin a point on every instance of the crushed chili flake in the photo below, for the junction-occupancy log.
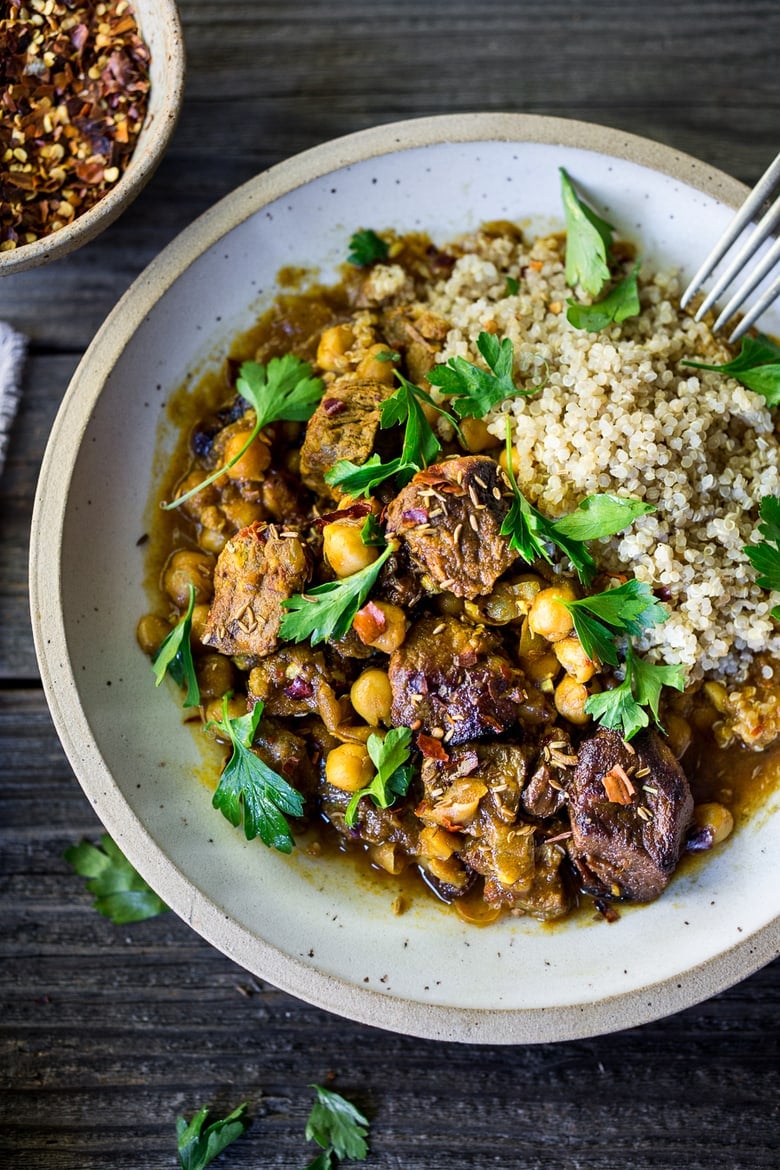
(74, 85)
(618, 786)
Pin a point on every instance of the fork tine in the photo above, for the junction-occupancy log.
(747, 286)
(763, 302)
(763, 229)
(760, 193)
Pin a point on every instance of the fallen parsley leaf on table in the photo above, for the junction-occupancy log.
(174, 657)
(390, 756)
(765, 556)
(475, 391)
(282, 391)
(623, 708)
(619, 304)
(249, 789)
(327, 611)
(338, 1127)
(757, 366)
(588, 241)
(366, 248)
(198, 1147)
(121, 894)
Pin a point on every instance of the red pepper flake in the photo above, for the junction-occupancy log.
(369, 622)
(75, 89)
(432, 748)
(618, 786)
(353, 512)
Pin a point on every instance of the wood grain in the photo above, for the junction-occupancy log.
(107, 1033)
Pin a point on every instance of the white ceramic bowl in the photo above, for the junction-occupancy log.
(307, 926)
(158, 22)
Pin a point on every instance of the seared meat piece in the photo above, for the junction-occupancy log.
(418, 336)
(287, 753)
(391, 835)
(476, 776)
(344, 426)
(257, 570)
(399, 582)
(545, 793)
(452, 682)
(297, 680)
(545, 897)
(449, 518)
(281, 500)
(630, 808)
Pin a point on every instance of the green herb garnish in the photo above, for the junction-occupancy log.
(620, 303)
(366, 248)
(327, 611)
(475, 391)
(387, 355)
(371, 533)
(174, 657)
(121, 894)
(757, 366)
(338, 1127)
(512, 286)
(282, 391)
(199, 1146)
(765, 556)
(623, 708)
(389, 755)
(249, 789)
(420, 445)
(532, 534)
(588, 241)
(627, 610)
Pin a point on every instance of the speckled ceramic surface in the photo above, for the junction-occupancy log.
(306, 925)
(159, 23)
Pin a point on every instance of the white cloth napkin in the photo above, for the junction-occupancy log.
(13, 349)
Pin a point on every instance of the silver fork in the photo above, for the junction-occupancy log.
(763, 190)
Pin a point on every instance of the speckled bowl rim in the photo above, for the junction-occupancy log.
(156, 133)
(509, 1026)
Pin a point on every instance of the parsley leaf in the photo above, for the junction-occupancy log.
(390, 755)
(757, 366)
(121, 894)
(327, 611)
(198, 1147)
(174, 656)
(475, 391)
(623, 707)
(371, 533)
(619, 304)
(626, 610)
(588, 241)
(512, 286)
(601, 515)
(282, 391)
(249, 788)
(765, 556)
(366, 247)
(336, 1125)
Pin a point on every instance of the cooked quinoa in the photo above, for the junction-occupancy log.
(618, 413)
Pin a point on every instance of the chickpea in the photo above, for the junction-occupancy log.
(213, 712)
(541, 668)
(531, 645)
(437, 842)
(476, 436)
(449, 605)
(715, 817)
(196, 504)
(516, 464)
(394, 632)
(212, 540)
(200, 615)
(255, 460)
(241, 513)
(333, 346)
(150, 632)
(188, 567)
(548, 617)
(344, 549)
(678, 733)
(372, 697)
(570, 698)
(349, 767)
(370, 366)
(216, 676)
(572, 657)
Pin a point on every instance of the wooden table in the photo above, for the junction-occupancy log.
(109, 1032)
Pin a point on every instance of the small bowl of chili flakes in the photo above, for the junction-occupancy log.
(89, 97)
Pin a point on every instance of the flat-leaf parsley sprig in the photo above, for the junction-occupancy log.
(623, 708)
(588, 241)
(249, 790)
(174, 656)
(533, 535)
(390, 756)
(765, 556)
(366, 248)
(757, 366)
(282, 391)
(121, 894)
(198, 1146)
(338, 1127)
(474, 391)
(620, 303)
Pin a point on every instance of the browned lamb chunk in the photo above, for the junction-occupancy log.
(545, 793)
(452, 681)
(257, 570)
(630, 807)
(450, 518)
(344, 426)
